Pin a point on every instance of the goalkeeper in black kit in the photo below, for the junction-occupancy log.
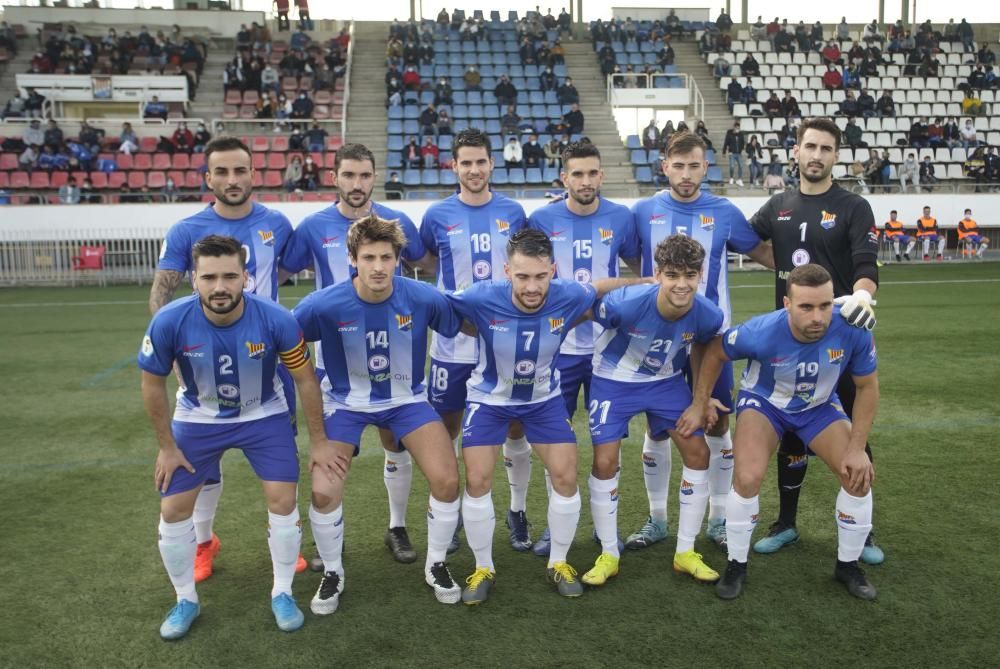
(824, 224)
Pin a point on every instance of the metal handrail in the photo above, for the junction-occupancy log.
(347, 81)
(695, 99)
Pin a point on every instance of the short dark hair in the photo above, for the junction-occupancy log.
(679, 251)
(217, 246)
(529, 242)
(353, 152)
(893, 212)
(810, 276)
(684, 142)
(370, 229)
(823, 124)
(226, 143)
(967, 211)
(581, 149)
(473, 137)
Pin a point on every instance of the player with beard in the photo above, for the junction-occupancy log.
(226, 346)
(824, 224)
(320, 243)
(716, 224)
(264, 234)
(589, 235)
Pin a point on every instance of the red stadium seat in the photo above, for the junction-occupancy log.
(207, 197)
(177, 176)
(193, 179)
(321, 111)
(143, 161)
(8, 162)
(136, 180)
(289, 85)
(317, 157)
(334, 143)
(258, 160)
(233, 97)
(20, 180)
(279, 144)
(260, 143)
(125, 161)
(161, 161)
(156, 180)
(311, 196)
(117, 179)
(99, 180)
(39, 180)
(79, 176)
(326, 178)
(269, 197)
(273, 179)
(250, 97)
(276, 161)
(4, 180)
(197, 160)
(180, 161)
(328, 196)
(230, 111)
(330, 159)
(148, 144)
(322, 97)
(248, 112)
(258, 179)
(60, 179)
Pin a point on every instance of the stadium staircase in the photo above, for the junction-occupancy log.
(366, 115)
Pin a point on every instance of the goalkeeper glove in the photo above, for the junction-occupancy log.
(857, 309)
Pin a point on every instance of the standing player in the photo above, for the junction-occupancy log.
(521, 323)
(968, 233)
(895, 233)
(639, 368)
(927, 232)
(263, 234)
(467, 233)
(373, 330)
(824, 224)
(589, 234)
(796, 358)
(226, 347)
(320, 242)
(719, 227)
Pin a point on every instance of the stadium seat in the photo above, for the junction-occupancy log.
(136, 180)
(533, 175)
(258, 161)
(273, 179)
(260, 143)
(156, 180)
(279, 144)
(125, 161)
(411, 177)
(147, 144)
(142, 161)
(714, 175)
(39, 180)
(161, 161)
(8, 162)
(633, 142)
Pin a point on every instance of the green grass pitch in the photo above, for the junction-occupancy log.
(83, 585)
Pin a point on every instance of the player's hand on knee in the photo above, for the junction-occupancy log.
(857, 472)
(167, 462)
(333, 460)
(857, 309)
(715, 410)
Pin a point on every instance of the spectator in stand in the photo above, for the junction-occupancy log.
(935, 134)
(772, 106)
(788, 135)
(28, 160)
(992, 163)
(843, 30)
(533, 152)
(510, 121)
(673, 23)
(427, 53)
(428, 121)
(547, 80)
(394, 51)
(969, 137)
(866, 104)
(155, 109)
(802, 38)
(724, 23)
(567, 93)
(293, 173)
(305, 22)
(557, 54)
(784, 41)
(832, 80)
(772, 30)
(169, 192)
(283, 7)
(324, 77)
(972, 105)
(852, 134)
(734, 145)
(750, 67)
(128, 142)
(975, 167)
(526, 52)
(574, 119)
(505, 91)
(755, 154)
(393, 93)
(665, 56)
(183, 139)
(651, 136)
(443, 123)
(316, 138)
(513, 154)
(702, 132)
(553, 154)
(394, 189)
(721, 67)
(411, 154)
(873, 170)
(734, 94)
(927, 177)
(909, 172)
(411, 78)
(310, 175)
(789, 105)
(758, 30)
(886, 106)
(33, 134)
(966, 36)
(69, 192)
(90, 137)
(14, 108)
(918, 133)
(749, 93)
(243, 37)
(849, 105)
(411, 53)
(871, 34)
(472, 78)
(851, 77)
(53, 159)
(791, 173)
(297, 140)
(429, 153)
(87, 193)
(831, 54)
(665, 132)
(302, 107)
(443, 93)
(33, 104)
(81, 157)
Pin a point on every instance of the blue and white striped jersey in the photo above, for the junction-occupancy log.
(713, 221)
(229, 372)
(320, 242)
(374, 354)
(639, 345)
(264, 233)
(586, 248)
(471, 246)
(789, 374)
(518, 350)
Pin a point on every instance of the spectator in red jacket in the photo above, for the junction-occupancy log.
(832, 79)
(429, 153)
(831, 53)
(183, 139)
(411, 79)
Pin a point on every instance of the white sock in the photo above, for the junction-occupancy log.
(442, 518)
(517, 462)
(741, 519)
(328, 533)
(910, 247)
(479, 520)
(564, 515)
(656, 464)
(177, 548)
(982, 250)
(284, 538)
(926, 246)
(854, 522)
(205, 506)
(604, 511)
(895, 246)
(941, 243)
(693, 497)
(720, 473)
(398, 477)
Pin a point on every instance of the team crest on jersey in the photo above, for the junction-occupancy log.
(255, 350)
(845, 518)
(828, 220)
(607, 236)
(525, 367)
(836, 355)
(731, 338)
(582, 275)
(503, 227)
(482, 269)
(404, 321)
(390, 466)
(687, 488)
(266, 237)
(707, 222)
(331, 242)
(687, 337)
(556, 325)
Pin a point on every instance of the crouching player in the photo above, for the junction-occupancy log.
(373, 331)
(795, 357)
(639, 362)
(226, 345)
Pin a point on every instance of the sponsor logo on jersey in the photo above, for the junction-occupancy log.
(797, 461)
(836, 355)
(228, 390)
(481, 269)
(784, 214)
(754, 519)
(648, 460)
(524, 367)
(496, 324)
(613, 495)
(687, 337)
(556, 325)
(652, 363)
(707, 222)
(873, 235)
(687, 488)
(658, 219)
(557, 236)
(634, 331)
(827, 220)
(429, 514)
(805, 387)
(390, 466)
(347, 326)
(192, 347)
(255, 350)
(454, 229)
(607, 236)
(331, 242)
(404, 321)
(377, 363)
(727, 453)
(266, 237)
(778, 362)
(191, 351)
(503, 227)
(845, 518)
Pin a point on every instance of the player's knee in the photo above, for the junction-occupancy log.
(746, 483)
(172, 513)
(444, 487)
(323, 503)
(477, 483)
(564, 480)
(605, 464)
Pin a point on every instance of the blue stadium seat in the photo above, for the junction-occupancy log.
(448, 178)
(539, 111)
(531, 71)
(460, 111)
(411, 177)
(493, 126)
(516, 71)
(710, 156)
(394, 160)
(474, 97)
(460, 97)
(395, 112)
(426, 97)
(395, 143)
(476, 111)
(638, 157)
(550, 174)
(429, 177)
(633, 142)
(411, 127)
(411, 112)
(445, 142)
(536, 98)
(550, 98)
(498, 160)
(714, 175)
(533, 175)
(486, 70)
(394, 127)
(499, 176)
(515, 176)
(489, 98)
(553, 111)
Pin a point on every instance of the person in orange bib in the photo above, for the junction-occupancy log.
(968, 234)
(894, 233)
(927, 232)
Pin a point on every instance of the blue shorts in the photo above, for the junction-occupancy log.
(575, 371)
(806, 425)
(544, 423)
(346, 426)
(268, 443)
(903, 238)
(932, 237)
(723, 390)
(614, 404)
(446, 385)
(975, 239)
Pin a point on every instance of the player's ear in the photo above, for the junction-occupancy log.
(246, 278)
(786, 302)
(506, 270)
